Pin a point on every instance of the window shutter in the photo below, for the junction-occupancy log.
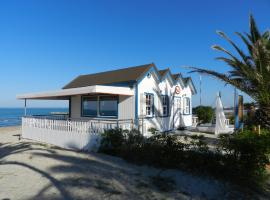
(190, 108)
(153, 105)
(142, 105)
(159, 108)
(168, 105)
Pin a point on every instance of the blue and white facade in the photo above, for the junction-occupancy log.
(165, 103)
(148, 99)
(153, 99)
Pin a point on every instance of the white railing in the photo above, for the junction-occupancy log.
(90, 126)
(195, 121)
(71, 134)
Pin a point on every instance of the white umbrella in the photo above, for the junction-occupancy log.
(220, 117)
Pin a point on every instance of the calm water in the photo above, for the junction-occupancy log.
(12, 116)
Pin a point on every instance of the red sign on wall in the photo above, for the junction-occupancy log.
(177, 90)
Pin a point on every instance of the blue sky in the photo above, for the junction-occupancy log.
(45, 44)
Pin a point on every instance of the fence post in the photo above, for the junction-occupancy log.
(132, 124)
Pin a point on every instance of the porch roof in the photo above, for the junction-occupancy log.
(64, 94)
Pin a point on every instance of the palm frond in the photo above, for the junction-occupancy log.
(254, 31)
(250, 72)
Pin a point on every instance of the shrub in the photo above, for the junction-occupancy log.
(112, 140)
(134, 137)
(204, 113)
(153, 131)
(238, 157)
(246, 154)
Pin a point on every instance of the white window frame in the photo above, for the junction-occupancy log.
(187, 104)
(149, 104)
(178, 104)
(165, 105)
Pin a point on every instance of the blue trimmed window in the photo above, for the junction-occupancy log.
(149, 105)
(108, 106)
(89, 106)
(100, 106)
(165, 105)
(187, 105)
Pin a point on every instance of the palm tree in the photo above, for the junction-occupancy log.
(250, 69)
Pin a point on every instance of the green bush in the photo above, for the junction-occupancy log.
(112, 140)
(246, 153)
(153, 131)
(134, 137)
(238, 157)
(204, 113)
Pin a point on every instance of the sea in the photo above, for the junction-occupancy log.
(12, 116)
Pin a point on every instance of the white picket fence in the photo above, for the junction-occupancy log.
(82, 135)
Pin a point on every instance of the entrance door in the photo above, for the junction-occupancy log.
(177, 112)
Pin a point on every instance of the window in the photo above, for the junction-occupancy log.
(187, 106)
(89, 107)
(165, 105)
(100, 106)
(149, 103)
(177, 105)
(108, 106)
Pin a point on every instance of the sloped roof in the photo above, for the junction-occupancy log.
(162, 72)
(130, 74)
(115, 76)
(176, 76)
(188, 80)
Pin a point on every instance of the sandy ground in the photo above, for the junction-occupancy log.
(30, 170)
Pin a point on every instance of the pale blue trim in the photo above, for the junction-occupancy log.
(136, 103)
(145, 75)
(166, 75)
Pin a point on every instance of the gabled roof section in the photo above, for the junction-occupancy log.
(163, 72)
(130, 74)
(179, 77)
(188, 81)
(176, 76)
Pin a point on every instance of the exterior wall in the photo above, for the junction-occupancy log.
(131, 106)
(165, 87)
(186, 118)
(75, 106)
(126, 107)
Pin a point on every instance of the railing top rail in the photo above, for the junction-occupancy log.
(80, 119)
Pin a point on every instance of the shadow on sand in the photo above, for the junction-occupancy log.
(79, 175)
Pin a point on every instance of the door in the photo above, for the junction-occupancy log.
(177, 112)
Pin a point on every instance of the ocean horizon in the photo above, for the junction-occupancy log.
(13, 116)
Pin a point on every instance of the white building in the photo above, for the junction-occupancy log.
(141, 97)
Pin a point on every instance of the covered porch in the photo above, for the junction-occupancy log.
(92, 110)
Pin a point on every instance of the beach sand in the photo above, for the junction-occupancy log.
(30, 170)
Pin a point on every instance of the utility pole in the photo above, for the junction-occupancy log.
(200, 90)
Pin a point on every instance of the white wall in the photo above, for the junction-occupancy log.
(187, 118)
(76, 106)
(152, 85)
(70, 140)
(126, 107)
